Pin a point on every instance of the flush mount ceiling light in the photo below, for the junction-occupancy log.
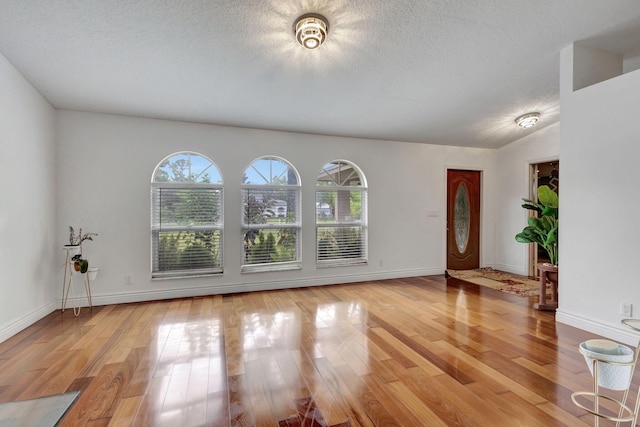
(311, 30)
(528, 120)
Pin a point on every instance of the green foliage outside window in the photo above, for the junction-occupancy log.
(188, 251)
(274, 245)
(356, 203)
(339, 243)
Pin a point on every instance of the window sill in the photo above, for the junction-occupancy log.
(341, 263)
(183, 275)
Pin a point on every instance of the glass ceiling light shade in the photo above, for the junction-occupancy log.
(311, 30)
(528, 120)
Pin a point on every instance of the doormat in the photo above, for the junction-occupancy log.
(40, 412)
(502, 281)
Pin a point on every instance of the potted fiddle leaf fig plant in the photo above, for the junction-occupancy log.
(543, 229)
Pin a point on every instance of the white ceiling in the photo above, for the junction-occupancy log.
(428, 71)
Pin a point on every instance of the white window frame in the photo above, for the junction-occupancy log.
(253, 189)
(157, 227)
(323, 227)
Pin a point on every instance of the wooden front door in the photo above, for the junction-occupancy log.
(463, 219)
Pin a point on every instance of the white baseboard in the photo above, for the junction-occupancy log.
(613, 332)
(9, 330)
(220, 289)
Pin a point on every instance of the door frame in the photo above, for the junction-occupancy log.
(532, 248)
(446, 213)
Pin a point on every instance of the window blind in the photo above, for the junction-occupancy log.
(187, 230)
(341, 215)
(271, 228)
(341, 232)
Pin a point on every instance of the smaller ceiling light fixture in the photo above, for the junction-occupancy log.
(528, 120)
(311, 30)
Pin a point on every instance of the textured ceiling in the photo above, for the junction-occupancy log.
(429, 71)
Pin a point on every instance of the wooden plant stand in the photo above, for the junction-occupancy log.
(548, 272)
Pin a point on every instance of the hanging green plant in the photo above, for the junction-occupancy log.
(79, 264)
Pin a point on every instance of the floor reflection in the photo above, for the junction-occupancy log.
(189, 381)
(286, 356)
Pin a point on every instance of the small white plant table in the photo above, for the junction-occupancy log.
(67, 284)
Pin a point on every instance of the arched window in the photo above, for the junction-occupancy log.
(186, 216)
(341, 215)
(271, 216)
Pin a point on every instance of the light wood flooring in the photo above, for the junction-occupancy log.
(424, 351)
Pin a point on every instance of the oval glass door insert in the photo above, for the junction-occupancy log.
(461, 220)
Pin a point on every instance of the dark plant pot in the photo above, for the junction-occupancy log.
(552, 277)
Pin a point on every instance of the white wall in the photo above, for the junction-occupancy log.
(28, 259)
(512, 173)
(599, 237)
(105, 166)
